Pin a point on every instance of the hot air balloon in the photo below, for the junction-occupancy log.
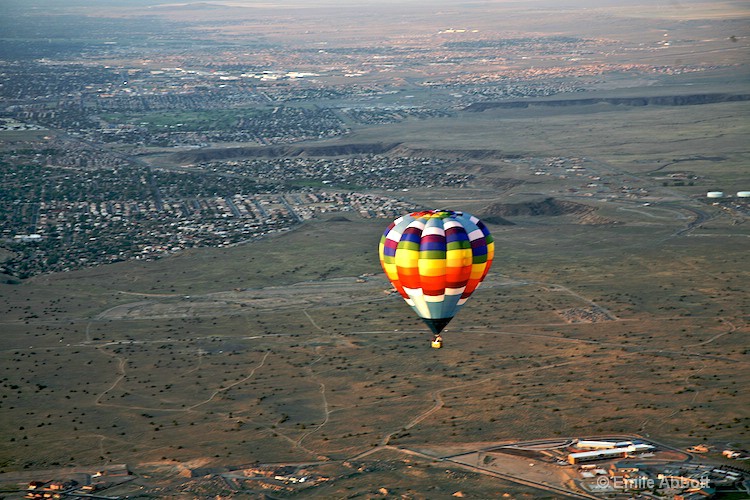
(436, 259)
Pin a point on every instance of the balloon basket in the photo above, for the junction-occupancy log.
(437, 344)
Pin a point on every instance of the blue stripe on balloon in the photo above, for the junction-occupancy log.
(432, 245)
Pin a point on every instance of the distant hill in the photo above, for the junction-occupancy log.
(668, 100)
(547, 206)
(496, 220)
(339, 218)
(191, 6)
(342, 149)
(209, 154)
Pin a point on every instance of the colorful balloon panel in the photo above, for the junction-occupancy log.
(436, 259)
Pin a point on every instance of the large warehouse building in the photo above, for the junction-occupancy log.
(605, 454)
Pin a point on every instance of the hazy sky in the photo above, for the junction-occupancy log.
(314, 3)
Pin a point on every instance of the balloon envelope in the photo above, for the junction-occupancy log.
(436, 259)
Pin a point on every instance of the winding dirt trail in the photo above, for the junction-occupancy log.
(224, 389)
(121, 369)
(438, 403)
(327, 416)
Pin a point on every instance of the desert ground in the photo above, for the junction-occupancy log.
(617, 303)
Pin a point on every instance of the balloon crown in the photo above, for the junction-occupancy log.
(437, 213)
